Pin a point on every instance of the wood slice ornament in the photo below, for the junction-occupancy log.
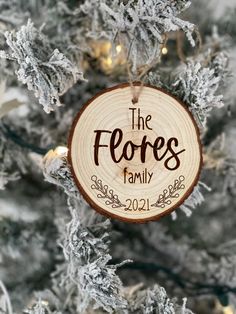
(135, 162)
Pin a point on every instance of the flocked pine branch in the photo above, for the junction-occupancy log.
(39, 308)
(10, 13)
(214, 268)
(195, 199)
(87, 256)
(217, 159)
(44, 69)
(5, 302)
(56, 171)
(155, 300)
(12, 159)
(198, 85)
(139, 26)
(9, 153)
(5, 178)
(184, 250)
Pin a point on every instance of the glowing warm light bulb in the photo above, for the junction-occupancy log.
(106, 47)
(228, 310)
(109, 61)
(118, 48)
(45, 303)
(61, 150)
(164, 51)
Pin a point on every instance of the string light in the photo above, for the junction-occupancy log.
(44, 303)
(228, 310)
(108, 58)
(164, 51)
(118, 48)
(101, 48)
(61, 150)
(224, 309)
(109, 61)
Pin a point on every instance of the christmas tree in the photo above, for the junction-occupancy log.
(58, 255)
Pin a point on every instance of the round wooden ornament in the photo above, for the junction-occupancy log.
(135, 162)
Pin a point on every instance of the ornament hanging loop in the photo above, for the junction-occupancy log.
(140, 77)
(135, 100)
(133, 84)
(138, 81)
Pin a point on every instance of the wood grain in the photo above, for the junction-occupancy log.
(151, 158)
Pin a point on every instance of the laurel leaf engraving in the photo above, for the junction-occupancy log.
(106, 193)
(166, 197)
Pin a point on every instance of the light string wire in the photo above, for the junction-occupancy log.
(194, 288)
(19, 141)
